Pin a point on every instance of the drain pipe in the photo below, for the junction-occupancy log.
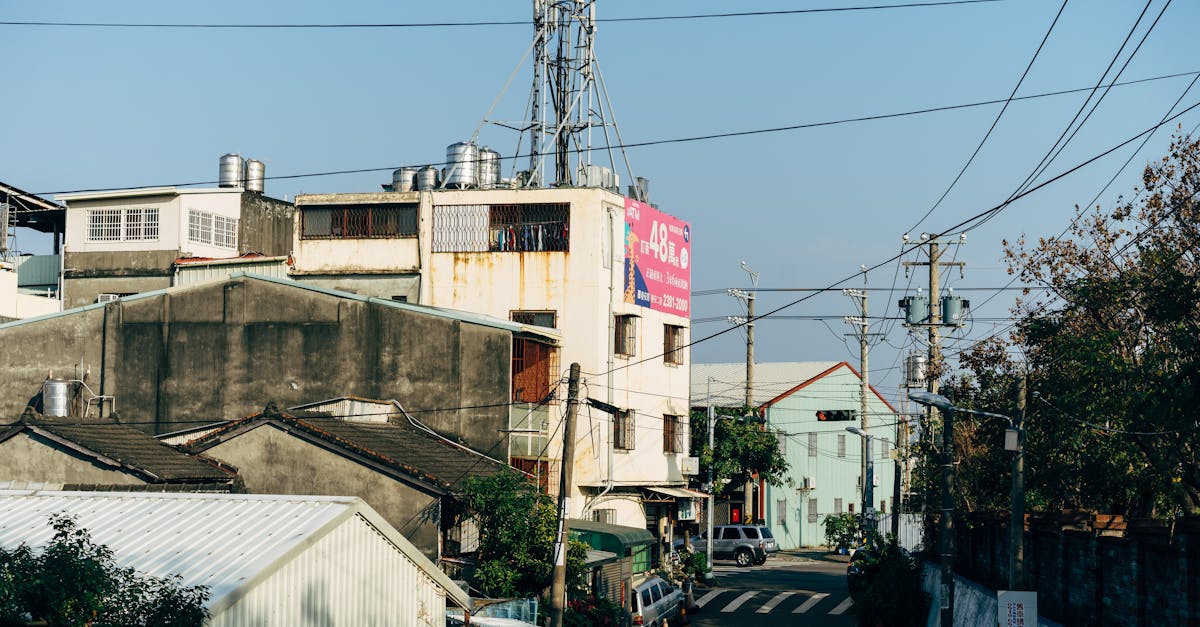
(611, 363)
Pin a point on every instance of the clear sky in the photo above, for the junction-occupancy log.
(87, 107)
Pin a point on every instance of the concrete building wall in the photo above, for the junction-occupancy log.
(14, 305)
(835, 476)
(28, 458)
(222, 350)
(271, 461)
(265, 225)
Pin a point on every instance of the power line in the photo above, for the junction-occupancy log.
(394, 25)
(695, 138)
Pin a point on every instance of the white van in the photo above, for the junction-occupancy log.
(655, 602)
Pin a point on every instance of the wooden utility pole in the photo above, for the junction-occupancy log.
(866, 481)
(558, 587)
(1016, 565)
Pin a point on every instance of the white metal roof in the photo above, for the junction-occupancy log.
(226, 542)
(138, 192)
(728, 380)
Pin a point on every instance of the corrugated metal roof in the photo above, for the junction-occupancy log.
(226, 542)
(728, 381)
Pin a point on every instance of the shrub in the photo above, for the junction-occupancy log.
(891, 593)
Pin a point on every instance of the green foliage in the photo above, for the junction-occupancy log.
(592, 612)
(892, 594)
(686, 567)
(743, 449)
(842, 531)
(517, 530)
(74, 581)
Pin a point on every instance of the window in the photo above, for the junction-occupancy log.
(123, 225)
(536, 318)
(623, 429)
(673, 344)
(625, 335)
(883, 449)
(812, 445)
(837, 506)
(812, 510)
(358, 221)
(841, 446)
(781, 512)
(730, 533)
(212, 229)
(534, 370)
(882, 505)
(604, 515)
(782, 438)
(672, 434)
(751, 533)
(527, 227)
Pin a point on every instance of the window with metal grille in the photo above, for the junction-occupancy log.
(358, 221)
(812, 445)
(673, 344)
(625, 335)
(138, 224)
(883, 449)
(782, 438)
(837, 506)
(812, 510)
(780, 512)
(623, 430)
(517, 228)
(841, 446)
(542, 471)
(534, 371)
(536, 318)
(672, 434)
(604, 515)
(212, 229)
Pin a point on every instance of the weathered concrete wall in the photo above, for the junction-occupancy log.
(88, 274)
(271, 461)
(29, 458)
(265, 226)
(222, 350)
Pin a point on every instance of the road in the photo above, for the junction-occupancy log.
(781, 592)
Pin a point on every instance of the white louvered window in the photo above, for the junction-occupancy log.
(212, 229)
(139, 224)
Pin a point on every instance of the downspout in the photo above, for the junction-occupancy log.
(611, 363)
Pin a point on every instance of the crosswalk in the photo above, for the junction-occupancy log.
(727, 601)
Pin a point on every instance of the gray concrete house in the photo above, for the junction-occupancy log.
(189, 356)
(399, 467)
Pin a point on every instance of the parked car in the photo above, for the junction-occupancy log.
(655, 601)
(745, 544)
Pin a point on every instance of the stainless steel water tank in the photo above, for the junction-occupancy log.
(256, 175)
(914, 369)
(231, 171)
(461, 160)
(404, 179)
(488, 172)
(56, 397)
(427, 178)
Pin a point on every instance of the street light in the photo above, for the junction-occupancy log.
(868, 478)
(1013, 441)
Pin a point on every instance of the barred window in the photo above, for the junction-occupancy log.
(812, 510)
(534, 370)
(883, 449)
(672, 434)
(358, 221)
(623, 429)
(536, 318)
(841, 446)
(138, 224)
(528, 227)
(673, 344)
(812, 445)
(212, 229)
(625, 340)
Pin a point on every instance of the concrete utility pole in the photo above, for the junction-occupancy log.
(558, 587)
(866, 480)
(946, 520)
(712, 487)
(1016, 566)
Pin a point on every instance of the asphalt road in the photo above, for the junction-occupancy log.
(781, 592)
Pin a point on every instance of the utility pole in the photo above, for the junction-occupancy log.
(1016, 566)
(712, 488)
(867, 480)
(558, 587)
(946, 519)
(751, 504)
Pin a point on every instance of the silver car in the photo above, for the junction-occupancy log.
(655, 601)
(746, 544)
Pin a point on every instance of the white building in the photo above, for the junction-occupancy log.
(267, 560)
(612, 274)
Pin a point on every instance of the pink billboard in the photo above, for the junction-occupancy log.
(658, 271)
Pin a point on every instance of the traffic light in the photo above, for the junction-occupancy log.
(836, 415)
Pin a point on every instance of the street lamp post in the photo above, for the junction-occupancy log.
(1013, 442)
(868, 477)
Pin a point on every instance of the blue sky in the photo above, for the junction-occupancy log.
(106, 108)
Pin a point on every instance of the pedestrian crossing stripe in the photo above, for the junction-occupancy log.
(745, 596)
(770, 605)
(736, 603)
(808, 605)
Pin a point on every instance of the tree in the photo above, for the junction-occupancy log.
(1113, 355)
(743, 449)
(74, 581)
(517, 530)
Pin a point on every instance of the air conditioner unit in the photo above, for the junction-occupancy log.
(809, 483)
(106, 298)
(875, 481)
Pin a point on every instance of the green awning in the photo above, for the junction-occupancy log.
(608, 537)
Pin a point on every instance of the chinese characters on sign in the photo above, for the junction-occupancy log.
(658, 271)
(1016, 608)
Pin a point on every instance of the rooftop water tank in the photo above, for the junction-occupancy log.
(404, 179)
(488, 171)
(256, 175)
(914, 369)
(461, 160)
(427, 178)
(56, 397)
(231, 172)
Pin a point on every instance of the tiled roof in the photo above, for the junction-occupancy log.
(123, 446)
(398, 445)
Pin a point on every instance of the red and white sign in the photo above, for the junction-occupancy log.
(658, 271)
